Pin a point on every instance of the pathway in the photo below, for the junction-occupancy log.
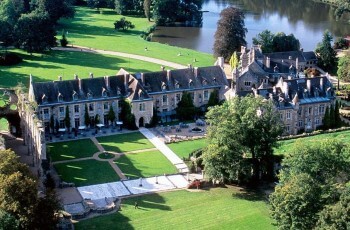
(120, 54)
(167, 152)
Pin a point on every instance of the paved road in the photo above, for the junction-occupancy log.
(120, 54)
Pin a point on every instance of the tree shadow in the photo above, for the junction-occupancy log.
(250, 195)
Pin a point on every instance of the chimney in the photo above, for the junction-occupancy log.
(221, 62)
(107, 82)
(195, 71)
(75, 77)
(321, 84)
(143, 78)
(268, 63)
(60, 78)
(297, 64)
(126, 81)
(189, 66)
(308, 85)
(168, 75)
(80, 85)
(91, 75)
(162, 68)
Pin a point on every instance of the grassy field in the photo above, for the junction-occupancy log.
(217, 208)
(287, 145)
(145, 164)
(91, 29)
(86, 172)
(46, 67)
(71, 150)
(183, 148)
(125, 142)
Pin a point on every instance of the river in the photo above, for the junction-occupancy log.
(306, 19)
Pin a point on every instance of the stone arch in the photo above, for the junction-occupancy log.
(11, 115)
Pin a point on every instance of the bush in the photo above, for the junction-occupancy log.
(9, 59)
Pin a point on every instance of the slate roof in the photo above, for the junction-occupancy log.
(183, 79)
(91, 88)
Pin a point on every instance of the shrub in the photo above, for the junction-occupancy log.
(9, 59)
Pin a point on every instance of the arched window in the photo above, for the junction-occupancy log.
(89, 95)
(104, 92)
(163, 86)
(141, 94)
(177, 85)
(44, 98)
(59, 97)
(190, 83)
(75, 96)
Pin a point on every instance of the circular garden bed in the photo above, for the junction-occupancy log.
(106, 155)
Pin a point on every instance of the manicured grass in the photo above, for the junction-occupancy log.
(184, 148)
(125, 142)
(91, 29)
(71, 150)
(287, 146)
(4, 125)
(217, 208)
(46, 67)
(86, 172)
(145, 164)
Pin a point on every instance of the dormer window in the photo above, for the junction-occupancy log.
(75, 96)
(205, 82)
(44, 98)
(177, 85)
(190, 83)
(59, 97)
(141, 94)
(89, 95)
(104, 92)
(214, 79)
(163, 86)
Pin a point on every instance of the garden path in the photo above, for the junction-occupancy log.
(120, 54)
(165, 150)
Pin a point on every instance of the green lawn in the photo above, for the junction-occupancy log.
(48, 66)
(287, 145)
(91, 29)
(125, 142)
(71, 150)
(183, 148)
(217, 208)
(4, 125)
(86, 172)
(145, 164)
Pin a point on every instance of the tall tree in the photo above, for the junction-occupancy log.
(343, 71)
(327, 119)
(230, 33)
(332, 117)
(337, 121)
(312, 177)
(56, 9)
(327, 57)
(86, 116)
(52, 123)
(67, 119)
(126, 115)
(234, 61)
(35, 32)
(185, 109)
(265, 39)
(241, 128)
(213, 98)
(282, 42)
(111, 115)
(147, 9)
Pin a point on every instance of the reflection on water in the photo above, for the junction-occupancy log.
(306, 19)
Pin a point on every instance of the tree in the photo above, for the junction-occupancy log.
(327, 57)
(111, 115)
(331, 117)
(241, 137)
(234, 61)
(46, 209)
(337, 121)
(343, 71)
(341, 43)
(126, 116)
(230, 33)
(154, 119)
(147, 9)
(185, 109)
(67, 119)
(282, 42)
(56, 9)
(327, 119)
(8, 221)
(63, 40)
(97, 119)
(52, 123)
(87, 116)
(265, 39)
(123, 24)
(213, 98)
(35, 32)
(311, 179)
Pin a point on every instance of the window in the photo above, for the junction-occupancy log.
(316, 110)
(178, 97)
(75, 96)
(205, 82)
(104, 92)
(192, 96)
(61, 110)
(321, 109)
(177, 85)
(288, 115)
(106, 106)
(190, 83)
(76, 123)
(200, 98)
(163, 86)
(44, 98)
(310, 110)
(247, 83)
(165, 99)
(287, 128)
(60, 97)
(89, 95)
(76, 108)
(300, 123)
(317, 121)
(206, 95)
(91, 107)
(142, 107)
(62, 124)
(46, 113)
(281, 116)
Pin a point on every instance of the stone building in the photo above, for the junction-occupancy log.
(300, 100)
